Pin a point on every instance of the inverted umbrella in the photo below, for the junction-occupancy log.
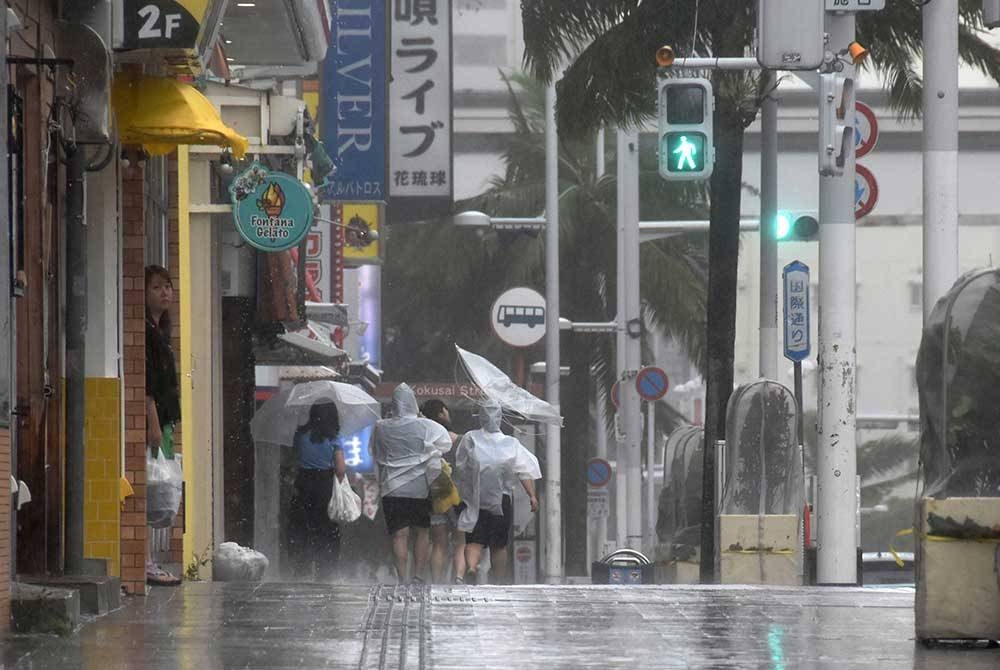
(511, 397)
(279, 418)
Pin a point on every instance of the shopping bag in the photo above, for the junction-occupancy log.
(444, 493)
(164, 482)
(345, 504)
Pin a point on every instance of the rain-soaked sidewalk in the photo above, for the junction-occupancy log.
(272, 626)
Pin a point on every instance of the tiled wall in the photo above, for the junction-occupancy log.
(101, 507)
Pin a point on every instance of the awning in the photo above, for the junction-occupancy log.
(161, 113)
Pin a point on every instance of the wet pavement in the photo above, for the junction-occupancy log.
(277, 625)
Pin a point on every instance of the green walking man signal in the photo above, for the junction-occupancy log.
(685, 109)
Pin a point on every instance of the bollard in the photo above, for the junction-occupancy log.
(624, 567)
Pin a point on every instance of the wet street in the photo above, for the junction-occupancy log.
(272, 626)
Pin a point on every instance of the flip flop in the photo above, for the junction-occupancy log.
(157, 576)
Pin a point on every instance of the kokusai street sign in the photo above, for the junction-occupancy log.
(796, 280)
(273, 211)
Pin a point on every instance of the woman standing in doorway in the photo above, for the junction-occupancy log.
(163, 394)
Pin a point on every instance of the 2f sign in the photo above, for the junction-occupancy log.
(155, 24)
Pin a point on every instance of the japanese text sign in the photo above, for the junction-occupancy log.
(796, 280)
(353, 106)
(420, 108)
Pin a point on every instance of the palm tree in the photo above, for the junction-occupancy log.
(464, 271)
(610, 82)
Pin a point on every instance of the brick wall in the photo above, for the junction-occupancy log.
(101, 508)
(133, 518)
(4, 530)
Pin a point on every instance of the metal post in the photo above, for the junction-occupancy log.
(837, 454)
(768, 230)
(76, 337)
(799, 430)
(553, 481)
(600, 538)
(631, 322)
(940, 110)
(649, 544)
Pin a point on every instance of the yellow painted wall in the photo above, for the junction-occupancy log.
(102, 471)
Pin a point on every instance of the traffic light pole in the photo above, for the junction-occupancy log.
(629, 334)
(940, 107)
(836, 448)
(768, 346)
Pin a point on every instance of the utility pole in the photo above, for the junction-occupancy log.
(768, 232)
(554, 564)
(600, 526)
(629, 334)
(837, 454)
(940, 112)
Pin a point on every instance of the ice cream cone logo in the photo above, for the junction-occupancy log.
(272, 201)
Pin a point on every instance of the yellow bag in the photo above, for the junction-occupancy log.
(444, 493)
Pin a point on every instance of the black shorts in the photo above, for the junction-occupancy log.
(405, 512)
(493, 530)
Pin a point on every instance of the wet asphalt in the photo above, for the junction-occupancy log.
(281, 625)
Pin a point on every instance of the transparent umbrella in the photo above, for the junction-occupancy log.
(498, 386)
(278, 418)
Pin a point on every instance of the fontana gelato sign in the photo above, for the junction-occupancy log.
(272, 210)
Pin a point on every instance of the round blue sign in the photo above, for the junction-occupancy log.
(652, 384)
(272, 210)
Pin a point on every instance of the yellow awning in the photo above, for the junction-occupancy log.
(160, 113)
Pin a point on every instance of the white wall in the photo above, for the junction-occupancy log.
(103, 343)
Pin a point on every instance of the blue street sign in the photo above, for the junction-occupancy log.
(796, 284)
(354, 124)
(598, 472)
(651, 384)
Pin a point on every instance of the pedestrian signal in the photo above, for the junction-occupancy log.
(685, 110)
(796, 227)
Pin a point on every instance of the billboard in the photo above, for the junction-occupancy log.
(353, 102)
(420, 110)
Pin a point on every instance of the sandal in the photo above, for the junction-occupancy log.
(157, 576)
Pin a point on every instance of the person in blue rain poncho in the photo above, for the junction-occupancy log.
(407, 450)
(489, 464)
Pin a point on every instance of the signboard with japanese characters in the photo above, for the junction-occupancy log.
(796, 279)
(420, 109)
(353, 126)
(319, 260)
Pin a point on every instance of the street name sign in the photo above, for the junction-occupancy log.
(518, 317)
(796, 284)
(855, 5)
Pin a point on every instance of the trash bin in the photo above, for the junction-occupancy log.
(622, 568)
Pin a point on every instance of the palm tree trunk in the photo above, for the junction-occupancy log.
(723, 260)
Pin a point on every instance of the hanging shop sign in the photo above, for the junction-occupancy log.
(273, 211)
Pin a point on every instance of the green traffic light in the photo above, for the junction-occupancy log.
(683, 152)
(782, 227)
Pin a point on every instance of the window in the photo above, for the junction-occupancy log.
(155, 207)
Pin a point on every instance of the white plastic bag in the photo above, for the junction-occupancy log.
(233, 563)
(164, 481)
(345, 504)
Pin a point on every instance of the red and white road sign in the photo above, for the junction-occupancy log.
(865, 129)
(865, 192)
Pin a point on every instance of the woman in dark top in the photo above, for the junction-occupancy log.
(163, 393)
(314, 540)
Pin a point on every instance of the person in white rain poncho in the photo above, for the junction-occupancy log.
(407, 450)
(488, 465)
